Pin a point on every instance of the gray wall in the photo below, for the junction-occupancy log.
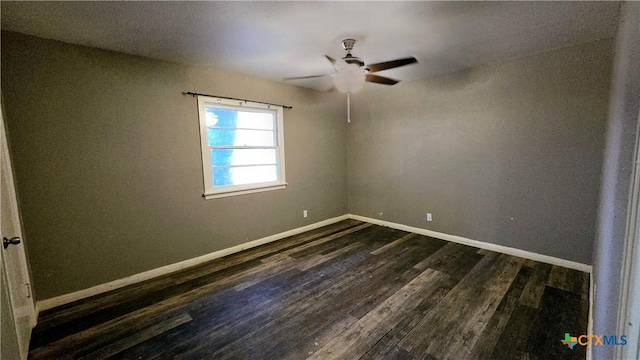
(617, 176)
(509, 154)
(107, 157)
(108, 168)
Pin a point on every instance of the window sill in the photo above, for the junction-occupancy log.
(243, 192)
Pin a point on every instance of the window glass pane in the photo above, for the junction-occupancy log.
(221, 117)
(255, 120)
(235, 157)
(224, 176)
(239, 119)
(229, 137)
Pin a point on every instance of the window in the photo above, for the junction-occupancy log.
(242, 147)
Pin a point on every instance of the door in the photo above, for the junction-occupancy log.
(17, 308)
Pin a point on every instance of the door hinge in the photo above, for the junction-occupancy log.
(28, 290)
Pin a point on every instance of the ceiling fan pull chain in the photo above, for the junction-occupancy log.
(349, 107)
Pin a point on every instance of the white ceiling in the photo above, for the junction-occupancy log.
(284, 39)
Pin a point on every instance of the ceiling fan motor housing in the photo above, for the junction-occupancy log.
(350, 59)
(348, 44)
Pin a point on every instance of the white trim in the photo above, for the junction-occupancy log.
(480, 244)
(168, 269)
(36, 310)
(20, 291)
(625, 93)
(628, 320)
(251, 191)
(592, 295)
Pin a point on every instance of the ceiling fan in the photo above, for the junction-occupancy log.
(352, 72)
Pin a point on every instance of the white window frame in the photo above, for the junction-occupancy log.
(212, 192)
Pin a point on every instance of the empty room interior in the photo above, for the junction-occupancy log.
(320, 180)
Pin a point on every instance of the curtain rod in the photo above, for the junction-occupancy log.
(232, 98)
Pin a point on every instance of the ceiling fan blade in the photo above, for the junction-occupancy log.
(332, 60)
(391, 64)
(305, 77)
(380, 79)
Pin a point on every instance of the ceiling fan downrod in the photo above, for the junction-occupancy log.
(349, 107)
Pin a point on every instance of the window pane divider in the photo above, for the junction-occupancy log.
(241, 147)
(239, 166)
(237, 128)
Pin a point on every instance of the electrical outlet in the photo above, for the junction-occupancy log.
(380, 214)
(304, 213)
(429, 217)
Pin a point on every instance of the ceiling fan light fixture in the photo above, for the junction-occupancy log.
(349, 79)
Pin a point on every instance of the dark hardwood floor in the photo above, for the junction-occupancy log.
(350, 290)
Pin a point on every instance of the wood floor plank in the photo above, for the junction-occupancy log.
(565, 279)
(393, 244)
(552, 322)
(358, 339)
(292, 344)
(387, 347)
(471, 331)
(484, 252)
(139, 337)
(322, 258)
(456, 324)
(512, 343)
(498, 322)
(413, 251)
(464, 258)
(296, 251)
(312, 344)
(394, 353)
(532, 293)
(558, 277)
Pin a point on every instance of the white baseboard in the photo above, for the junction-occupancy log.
(46, 304)
(168, 269)
(480, 244)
